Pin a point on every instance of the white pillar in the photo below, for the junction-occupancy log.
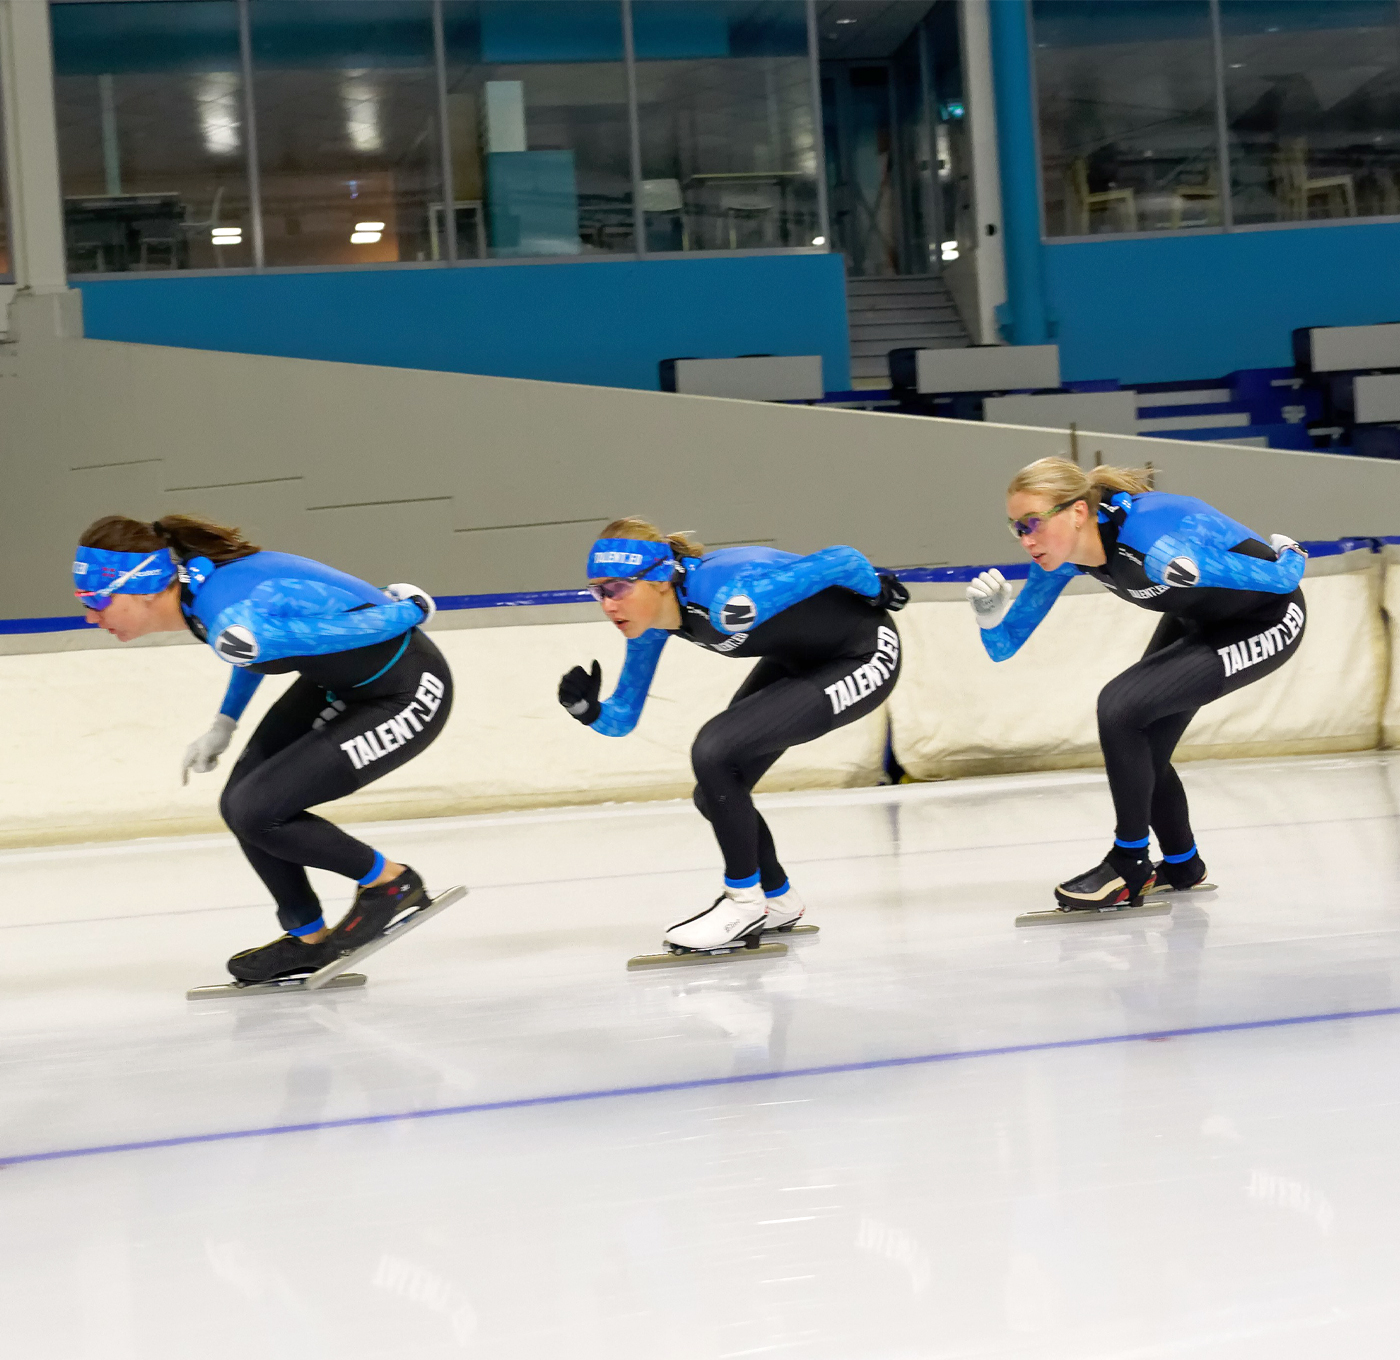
(34, 197)
(988, 263)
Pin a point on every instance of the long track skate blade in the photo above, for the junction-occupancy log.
(1157, 888)
(792, 933)
(324, 977)
(278, 987)
(669, 960)
(1055, 917)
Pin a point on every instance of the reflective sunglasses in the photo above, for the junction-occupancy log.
(91, 599)
(618, 587)
(1033, 524)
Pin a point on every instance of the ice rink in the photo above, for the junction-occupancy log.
(924, 1134)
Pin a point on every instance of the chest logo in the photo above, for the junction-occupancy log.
(1182, 572)
(739, 612)
(237, 646)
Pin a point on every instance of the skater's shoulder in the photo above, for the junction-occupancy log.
(715, 568)
(1148, 516)
(264, 577)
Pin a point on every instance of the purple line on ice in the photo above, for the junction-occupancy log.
(697, 1084)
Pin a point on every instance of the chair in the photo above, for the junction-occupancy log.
(1207, 194)
(1080, 203)
(1296, 189)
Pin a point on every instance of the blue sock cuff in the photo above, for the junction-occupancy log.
(318, 924)
(375, 870)
(777, 892)
(1132, 845)
(750, 882)
(1181, 859)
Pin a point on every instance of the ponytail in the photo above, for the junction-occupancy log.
(633, 526)
(1063, 481)
(187, 537)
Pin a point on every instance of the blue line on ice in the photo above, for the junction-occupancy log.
(701, 1083)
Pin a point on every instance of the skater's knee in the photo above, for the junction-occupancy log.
(245, 814)
(1120, 709)
(702, 804)
(711, 757)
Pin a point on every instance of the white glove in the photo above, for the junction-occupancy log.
(990, 596)
(1281, 541)
(419, 596)
(202, 754)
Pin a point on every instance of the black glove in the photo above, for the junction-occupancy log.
(894, 594)
(578, 692)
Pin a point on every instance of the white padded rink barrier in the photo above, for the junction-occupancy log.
(955, 712)
(95, 735)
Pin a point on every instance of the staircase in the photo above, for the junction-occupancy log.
(911, 311)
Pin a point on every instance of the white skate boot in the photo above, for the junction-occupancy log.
(784, 911)
(734, 914)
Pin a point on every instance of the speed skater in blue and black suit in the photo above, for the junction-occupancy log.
(1232, 611)
(372, 692)
(828, 655)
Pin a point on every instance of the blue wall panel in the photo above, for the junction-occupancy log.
(1169, 309)
(605, 323)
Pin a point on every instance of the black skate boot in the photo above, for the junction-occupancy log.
(284, 957)
(1119, 881)
(373, 910)
(1182, 877)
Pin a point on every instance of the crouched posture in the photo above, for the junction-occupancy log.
(1232, 614)
(828, 655)
(372, 692)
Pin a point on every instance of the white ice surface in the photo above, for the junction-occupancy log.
(1225, 1194)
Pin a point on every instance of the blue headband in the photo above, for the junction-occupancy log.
(632, 559)
(96, 571)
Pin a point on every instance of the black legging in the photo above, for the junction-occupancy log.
(313, 747)
(1144, 711)
(779, 706)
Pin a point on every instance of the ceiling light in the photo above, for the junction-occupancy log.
(819, 240)
(369, 226)
(364, 238)
(845, 21)
(949, 250)
(227, 236)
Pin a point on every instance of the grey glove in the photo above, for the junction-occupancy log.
(203, 753)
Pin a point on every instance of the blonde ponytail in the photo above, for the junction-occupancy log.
(633, 526)
(1063, 481)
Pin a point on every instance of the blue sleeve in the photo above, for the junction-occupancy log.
(1041, 590)
(242, 685)
(754, 594)
(306, 618)
(622, 709)
(1197, 553)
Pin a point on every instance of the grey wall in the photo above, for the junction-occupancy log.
(469, 485)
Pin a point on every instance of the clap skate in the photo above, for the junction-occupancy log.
(732, 926)
(1188, 876)
(784, 918)
(333, 972)
(1112, 889)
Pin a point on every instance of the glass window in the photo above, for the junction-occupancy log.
(1312, 100)
(537, 112)
(729, 157)
(150, 135)
(347, 123)
(1127, 110)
